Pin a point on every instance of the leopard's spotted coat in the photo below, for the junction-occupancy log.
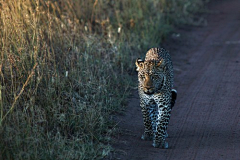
(155, 77)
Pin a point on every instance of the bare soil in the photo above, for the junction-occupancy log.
(205, 121)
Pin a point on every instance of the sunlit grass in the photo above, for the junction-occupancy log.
(65, 68)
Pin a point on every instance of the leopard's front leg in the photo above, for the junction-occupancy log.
(148, 134)
(162, 121)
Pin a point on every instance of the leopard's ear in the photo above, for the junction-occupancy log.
(139, 63)
(160, 63)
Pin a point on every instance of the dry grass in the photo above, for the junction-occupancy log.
(65, 67)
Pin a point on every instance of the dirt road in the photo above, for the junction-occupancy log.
(205, 122)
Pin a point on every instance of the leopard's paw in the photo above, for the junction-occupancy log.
(163, 145)
(147, 137)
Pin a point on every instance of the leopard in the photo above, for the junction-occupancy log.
(156, 93)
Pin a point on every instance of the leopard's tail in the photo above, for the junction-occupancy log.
(174, 97)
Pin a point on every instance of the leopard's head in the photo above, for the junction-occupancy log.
(150, 75)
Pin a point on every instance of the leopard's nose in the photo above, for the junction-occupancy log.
(148, 90)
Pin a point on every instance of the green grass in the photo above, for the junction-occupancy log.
(65, 68)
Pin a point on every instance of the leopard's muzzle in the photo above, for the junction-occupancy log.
(148, 85)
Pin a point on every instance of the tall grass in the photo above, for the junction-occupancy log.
(65, 68)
